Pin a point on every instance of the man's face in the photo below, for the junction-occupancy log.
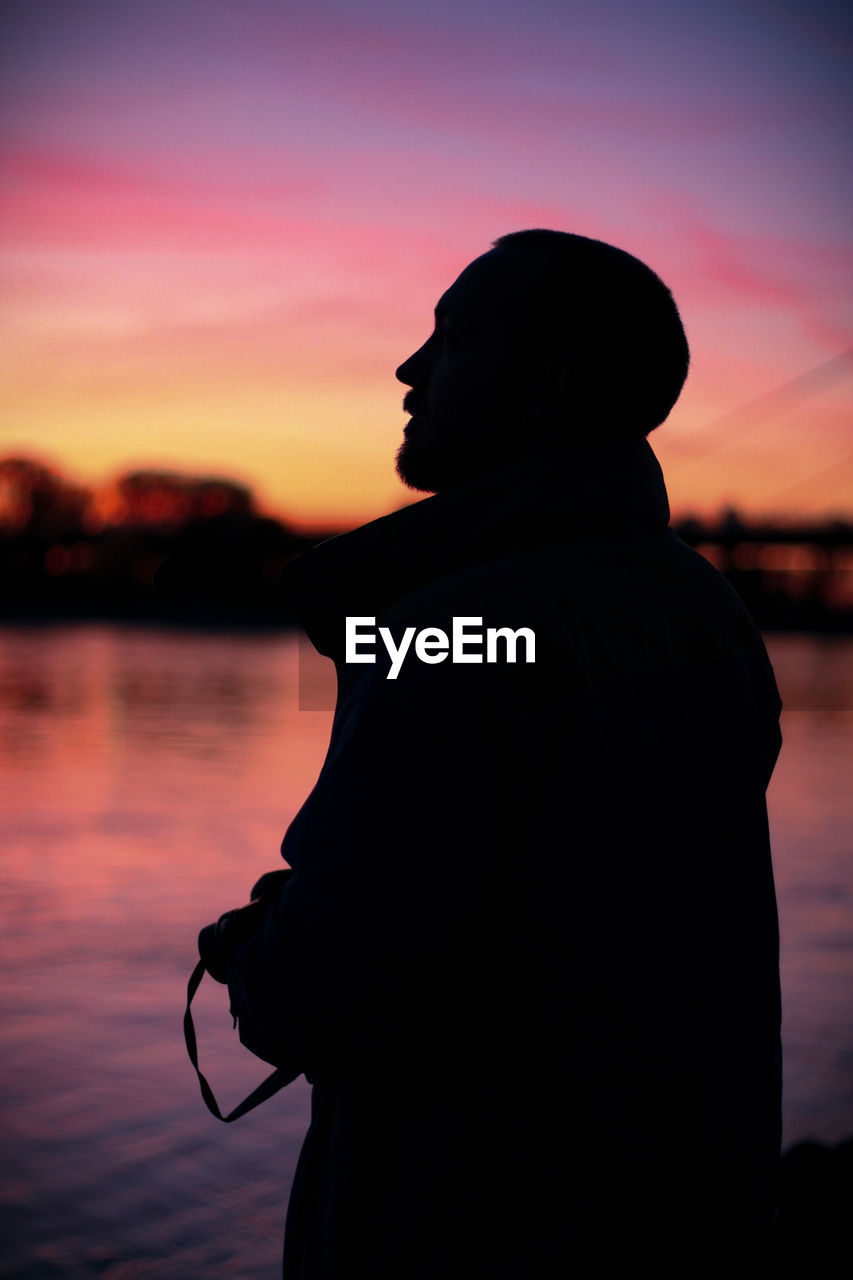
(464, 379)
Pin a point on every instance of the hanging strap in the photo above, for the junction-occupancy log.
(279, 1078)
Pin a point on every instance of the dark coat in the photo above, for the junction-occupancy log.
(529, 954)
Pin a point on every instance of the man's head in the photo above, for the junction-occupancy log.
(548, 337)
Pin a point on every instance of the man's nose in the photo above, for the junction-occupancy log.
(404, 373)
(411, 370)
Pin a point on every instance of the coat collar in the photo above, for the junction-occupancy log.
(614, 487)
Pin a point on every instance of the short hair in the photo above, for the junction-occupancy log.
(617, 317)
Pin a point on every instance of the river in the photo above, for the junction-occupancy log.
(147, 779)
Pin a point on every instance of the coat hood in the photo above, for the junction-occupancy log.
(613, 487)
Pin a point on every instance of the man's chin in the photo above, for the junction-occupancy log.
(427, 470)
(417, 469)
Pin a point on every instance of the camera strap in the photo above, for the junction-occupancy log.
(279, 1078)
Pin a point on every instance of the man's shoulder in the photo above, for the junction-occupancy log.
(506, 581)
(619, 602)
(594, 572)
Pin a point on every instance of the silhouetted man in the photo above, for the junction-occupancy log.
(528, 952)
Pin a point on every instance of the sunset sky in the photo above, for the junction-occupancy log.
(226, 222)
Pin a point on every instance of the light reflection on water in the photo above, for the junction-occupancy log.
(146, 779)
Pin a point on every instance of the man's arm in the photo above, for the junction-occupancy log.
(381, 923)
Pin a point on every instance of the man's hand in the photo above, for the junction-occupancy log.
(216, 942)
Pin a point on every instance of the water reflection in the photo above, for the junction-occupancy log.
(146, 779)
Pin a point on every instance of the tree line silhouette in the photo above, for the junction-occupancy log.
(161, 546)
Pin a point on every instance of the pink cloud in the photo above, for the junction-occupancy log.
(806, 278)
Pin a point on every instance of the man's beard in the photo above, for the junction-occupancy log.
(428, 468)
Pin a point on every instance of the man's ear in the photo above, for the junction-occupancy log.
(549, 392)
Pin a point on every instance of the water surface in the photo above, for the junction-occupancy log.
(146, 779)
